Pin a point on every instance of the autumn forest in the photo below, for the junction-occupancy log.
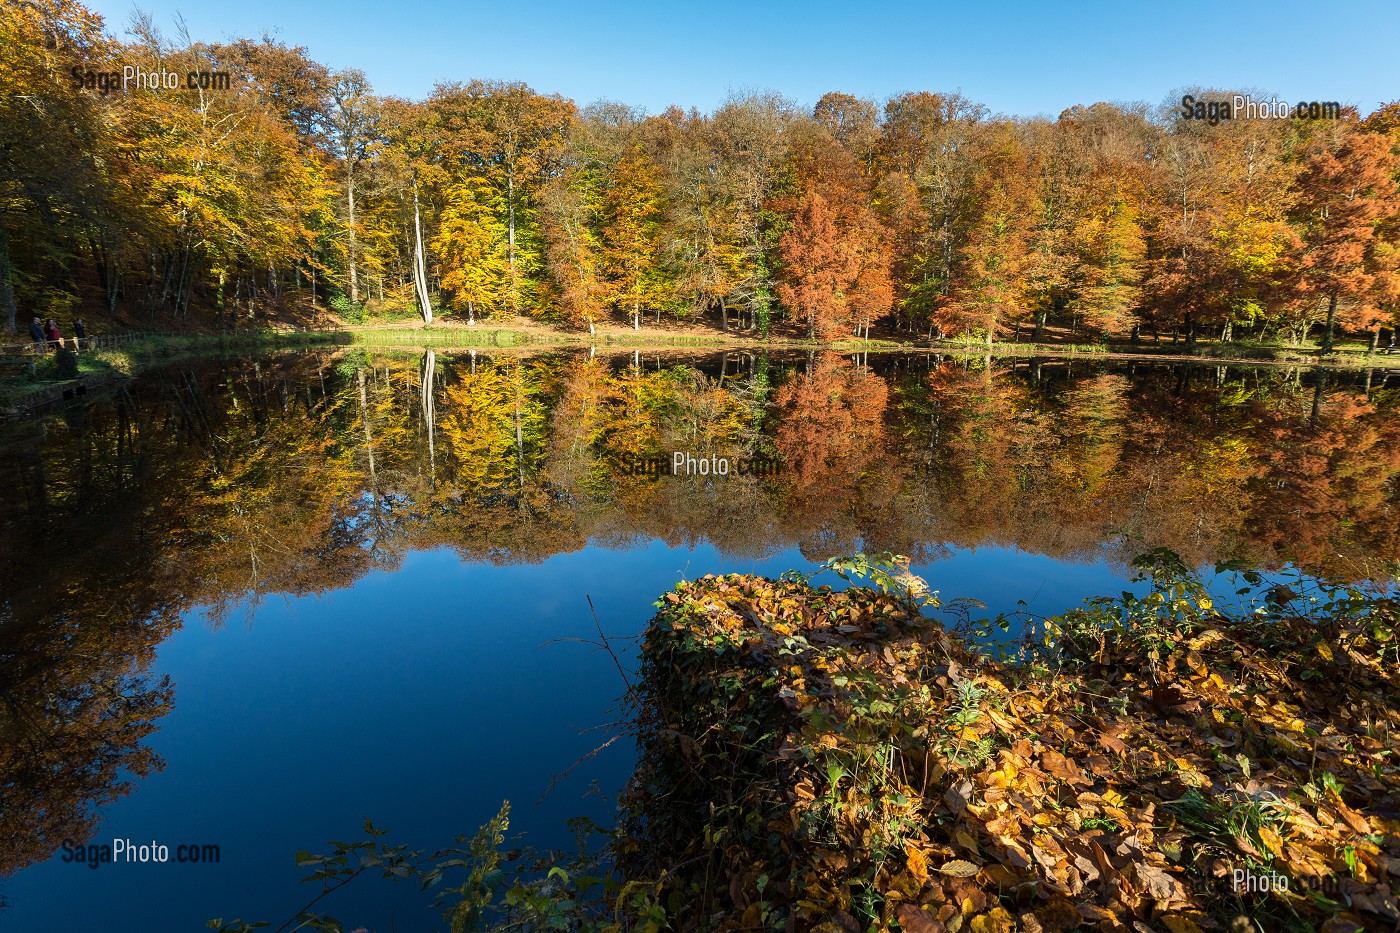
(923, 215)
(356, 494)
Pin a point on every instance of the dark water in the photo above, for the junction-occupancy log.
(317, 588)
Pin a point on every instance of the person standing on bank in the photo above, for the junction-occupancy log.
(79, 332)
(37, 332)
(51, 331)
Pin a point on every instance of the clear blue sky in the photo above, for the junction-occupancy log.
(1017, 58)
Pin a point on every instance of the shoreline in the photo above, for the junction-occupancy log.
(518, 338)
(114, 366)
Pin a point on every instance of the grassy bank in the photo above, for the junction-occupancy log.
(455, 335)
(543, 338)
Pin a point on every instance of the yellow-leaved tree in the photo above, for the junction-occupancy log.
(472, 245)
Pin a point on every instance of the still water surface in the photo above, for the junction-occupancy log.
(360, 572)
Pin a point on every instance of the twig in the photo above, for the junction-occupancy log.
(565, 773)
(616, 663)
(312, 902)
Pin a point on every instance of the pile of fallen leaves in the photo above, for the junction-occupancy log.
(836, 760)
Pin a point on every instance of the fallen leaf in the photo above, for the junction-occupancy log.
(1157, 883)
(959, 868)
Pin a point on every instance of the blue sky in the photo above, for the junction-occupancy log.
(1017, 58)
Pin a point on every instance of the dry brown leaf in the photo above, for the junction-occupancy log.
(958, 868)
(1113, 744)
(1158, 884)
(915, 920)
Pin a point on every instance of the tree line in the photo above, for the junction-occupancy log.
(925, 213)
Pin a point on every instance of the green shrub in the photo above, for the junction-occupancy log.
(351, 312)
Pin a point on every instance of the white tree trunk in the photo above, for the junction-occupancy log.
(430, 411)
(350, 197)
(420, 268)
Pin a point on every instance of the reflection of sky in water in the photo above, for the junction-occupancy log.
(421, 699)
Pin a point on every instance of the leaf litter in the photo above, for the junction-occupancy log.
(838, 760)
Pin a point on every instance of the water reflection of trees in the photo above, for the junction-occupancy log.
(298, 474)
(87, 598)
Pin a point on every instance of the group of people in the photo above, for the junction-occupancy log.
(46, 333)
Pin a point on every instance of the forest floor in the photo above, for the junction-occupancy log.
(837, 760)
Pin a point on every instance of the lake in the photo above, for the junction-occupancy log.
(251, 602)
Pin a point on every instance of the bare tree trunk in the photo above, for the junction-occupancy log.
(364, 419)
(1331, 323)
(420, 268)
(350, 198)
(430, 410)
(519, 436)
(510, 239)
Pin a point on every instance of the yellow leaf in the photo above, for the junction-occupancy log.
(959, 868)
(1325, 650)
(918, 864)
(995, 921)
